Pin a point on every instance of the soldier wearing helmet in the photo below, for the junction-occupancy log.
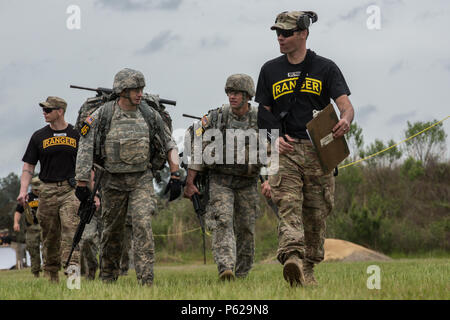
(126, 132)
(129, 85)
(289, 88)
(32, 228)
(240, 83)
(233, 196)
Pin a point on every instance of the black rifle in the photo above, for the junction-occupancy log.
(86, 211)
(100, 91)
(200, 211)
(200, 182)
(189, 116)
(272, 205)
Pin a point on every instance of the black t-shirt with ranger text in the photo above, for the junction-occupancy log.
(276, 83)
(56, 150)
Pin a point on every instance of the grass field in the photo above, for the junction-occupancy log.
(399, 279)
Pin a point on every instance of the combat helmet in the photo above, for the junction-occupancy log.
(240, 82)
(128, 79)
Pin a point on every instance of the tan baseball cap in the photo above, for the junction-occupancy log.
(54, 102)
(287, 20)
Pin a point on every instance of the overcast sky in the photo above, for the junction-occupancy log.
(187, 48)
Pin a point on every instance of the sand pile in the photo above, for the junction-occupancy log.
(341, 250)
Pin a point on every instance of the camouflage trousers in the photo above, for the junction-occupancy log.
(90, 244)
(58, 218)
(140, 202)
(231, 214)
(33, 242)
(127, 245)
(305, 197)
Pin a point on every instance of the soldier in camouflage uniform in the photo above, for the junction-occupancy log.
(233, 196)
(301, 189)
(33, 238)
(54, 147)
(127, 246)
(128, 137)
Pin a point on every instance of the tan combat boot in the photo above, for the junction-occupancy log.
(293, 271)
(227, 275)
(308, 270)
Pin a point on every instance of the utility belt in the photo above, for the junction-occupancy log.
(71, 182)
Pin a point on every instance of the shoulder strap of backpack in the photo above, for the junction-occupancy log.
(105, 114)
(149, 117)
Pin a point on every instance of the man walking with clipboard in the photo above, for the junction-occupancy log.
(289, 88)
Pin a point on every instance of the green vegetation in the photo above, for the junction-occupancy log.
(401, 279)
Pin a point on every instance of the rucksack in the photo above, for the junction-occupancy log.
(157, 149)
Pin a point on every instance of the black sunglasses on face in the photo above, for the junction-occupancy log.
(48, 110)
(286, 33)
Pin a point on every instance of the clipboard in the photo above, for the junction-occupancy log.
(330, 151)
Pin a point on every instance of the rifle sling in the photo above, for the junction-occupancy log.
(301, 78)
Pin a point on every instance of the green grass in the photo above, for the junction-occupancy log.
(400, 279)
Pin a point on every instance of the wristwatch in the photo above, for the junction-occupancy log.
(175, 174)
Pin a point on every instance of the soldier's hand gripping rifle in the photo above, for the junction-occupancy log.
(101, 91)
(200, 211)
(86, 211)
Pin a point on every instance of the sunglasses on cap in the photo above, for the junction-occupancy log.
(48, 110)
(286, 33)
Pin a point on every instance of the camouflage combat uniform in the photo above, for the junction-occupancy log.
(127, 246)
(33, 238)
(233, 196)
(305, 198)
(57, 216)
(33, 243)
(127, 185)
(303, 191)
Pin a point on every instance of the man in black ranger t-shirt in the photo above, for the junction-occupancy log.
(55, 147)
(32, 228)
(303, 193)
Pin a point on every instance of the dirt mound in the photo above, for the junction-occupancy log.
(341, 250)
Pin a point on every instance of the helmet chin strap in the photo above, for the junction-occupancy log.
(127, 96)
(244, 100)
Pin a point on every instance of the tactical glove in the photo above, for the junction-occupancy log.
(174, 186)
(82, 193)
